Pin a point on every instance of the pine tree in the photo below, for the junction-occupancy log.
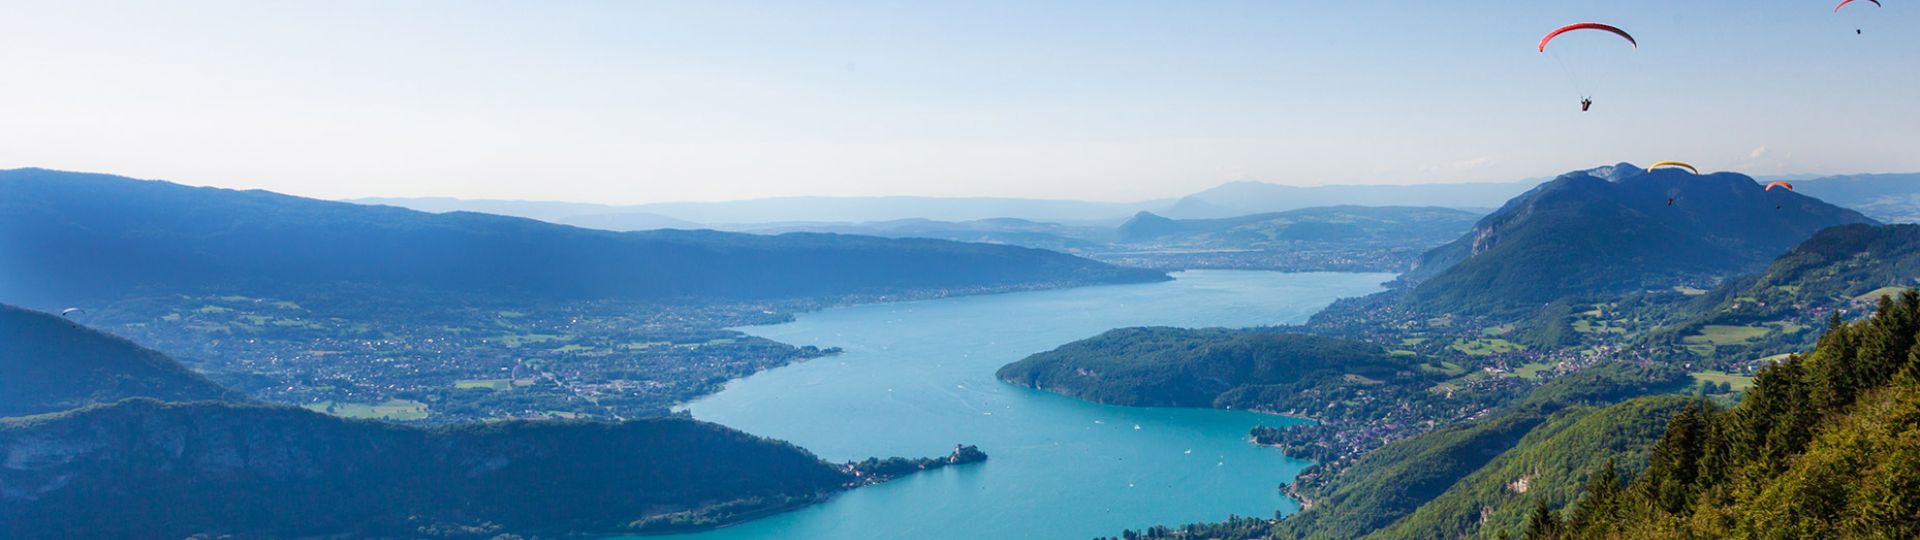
(1541, 523)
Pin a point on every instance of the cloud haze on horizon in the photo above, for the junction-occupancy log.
(658, 101)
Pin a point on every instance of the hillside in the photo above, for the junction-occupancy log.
(48, 364)
(147, 469)
(1174, 367)
(1401, 478)
(1616, 227)
(67, 237)
(1845, 268)
(1825, 445)
(1550, 464)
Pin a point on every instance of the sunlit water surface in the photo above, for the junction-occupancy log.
(917, 378)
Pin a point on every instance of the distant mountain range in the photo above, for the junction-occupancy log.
(1241, 198)
(1885, 197)
(1616, 229)
(1429, 225)
(1892, 198)
(752, 213)
(68, 237)
(49, 364)
(1227, 200)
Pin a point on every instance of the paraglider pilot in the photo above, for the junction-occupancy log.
(1585, 103)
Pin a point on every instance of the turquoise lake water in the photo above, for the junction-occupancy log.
(917, 378)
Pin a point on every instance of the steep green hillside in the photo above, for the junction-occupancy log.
(1613, 230)
(1393, 482)
(1176, 367)
(50, 364)
(1825, 445)
(69, 237)
(1550, 464)
(140, 468)
(1842, 268)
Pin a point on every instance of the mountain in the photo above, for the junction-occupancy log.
(746, 213)
(1612, 230)
(1893, 198)
(592, 216)
(48, 364)
(141, 468)
(1241, 198)
(1824, 445)
(1342, 224)
(67, 237)
(1174, 367)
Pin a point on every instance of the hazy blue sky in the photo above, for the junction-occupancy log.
(643, 101)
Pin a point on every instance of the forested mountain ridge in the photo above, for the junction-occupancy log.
(48, 364)
(140, 468)
(67, 237)
(1624, 229)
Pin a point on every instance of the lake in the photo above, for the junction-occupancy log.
(917, 379)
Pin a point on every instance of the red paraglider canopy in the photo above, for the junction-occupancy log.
(1771, 185)
(1843, 3)
(1588, 26)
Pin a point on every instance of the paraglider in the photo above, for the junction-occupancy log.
(1586, 101)
(1680, 164)
(1843, 3)
(1590, 26)
(70, 311)
(1775, 184)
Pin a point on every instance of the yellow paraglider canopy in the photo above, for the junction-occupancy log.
(1675, 164)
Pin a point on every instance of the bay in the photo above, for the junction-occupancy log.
(916, 378)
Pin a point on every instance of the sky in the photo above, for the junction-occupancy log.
(648, 101)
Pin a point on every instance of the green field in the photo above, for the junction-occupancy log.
(1449, 369)
(1689, 291)
(491, 384)
(517, 340)
(392, 409)
(1719, 334)
(1531, 371)
(1409, 342)
(1585, 326)
(1362, 379)
(1740, 382)
(1874, 295)
(1486, 346)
